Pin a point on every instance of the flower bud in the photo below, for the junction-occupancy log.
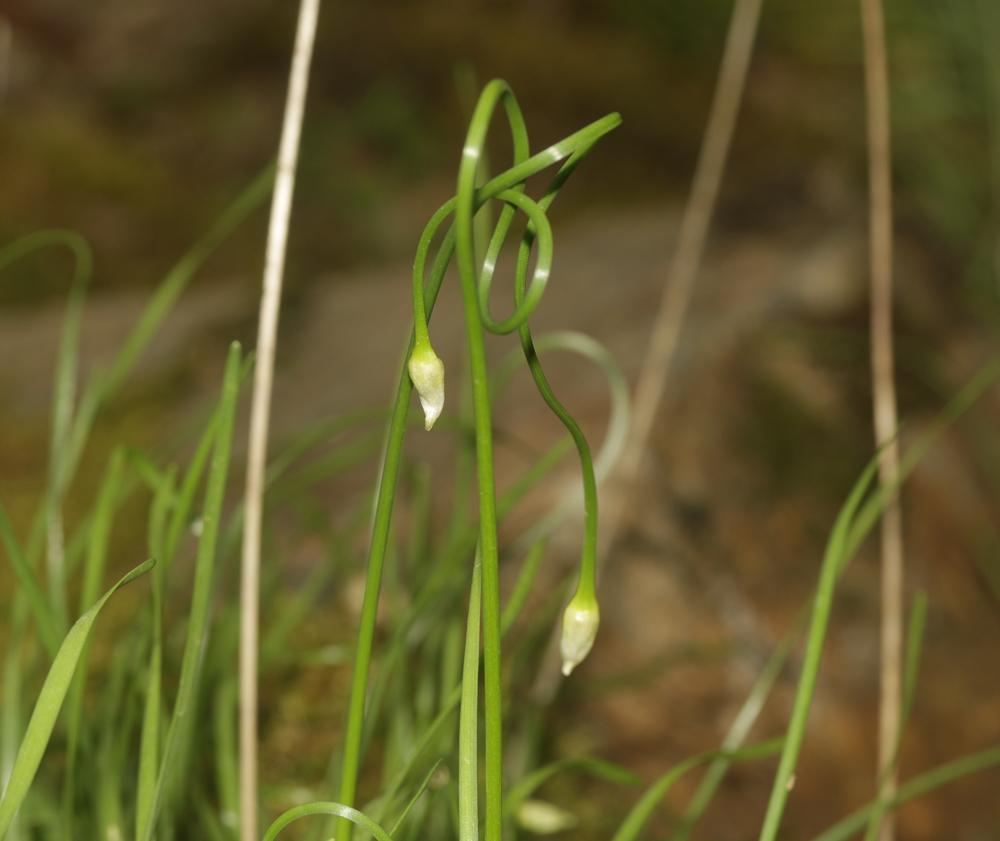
(580, 621)
(542, 818)
(427, 373)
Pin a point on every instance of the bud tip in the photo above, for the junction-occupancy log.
(580, 621)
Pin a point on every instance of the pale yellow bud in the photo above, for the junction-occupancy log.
(543, 818)
(580, 621)
(427, 373)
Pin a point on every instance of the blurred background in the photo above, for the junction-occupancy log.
(137, 123)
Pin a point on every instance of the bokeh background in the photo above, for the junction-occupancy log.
(136, 123)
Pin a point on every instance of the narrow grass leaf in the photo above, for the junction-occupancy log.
(64, 393)
(226, 760)
(599, 768)
(417, 794)
(10, 708)
(149, 738)
(912, 789)
(737, 734)
(326, 808)
(99, 535)
(522, 586)
(911, 668)
(49, 703)
(179, 730)
(643, 810)
(41, 612)
(833, 561)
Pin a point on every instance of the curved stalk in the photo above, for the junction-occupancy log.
(459, 240)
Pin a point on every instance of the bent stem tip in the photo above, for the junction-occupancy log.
(579, 629)
(427, 373)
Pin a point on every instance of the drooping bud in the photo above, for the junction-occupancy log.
(579, 629)
(427, 373)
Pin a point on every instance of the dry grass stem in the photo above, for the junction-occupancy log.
(884, 392)
(270, 303)
(690, 247)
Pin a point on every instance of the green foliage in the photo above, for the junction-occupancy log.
(138, 729)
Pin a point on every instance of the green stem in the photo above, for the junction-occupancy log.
(468, 727)
(494, 93)
(588, 563)
(459, 238)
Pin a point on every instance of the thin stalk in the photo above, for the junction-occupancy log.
(465, 253)
(274, 264)
(914, 642)
(468, 727)
(884, 393)
(572, 147)
(696, 220)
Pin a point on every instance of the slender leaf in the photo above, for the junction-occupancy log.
(49, 703)
(592, 767)
(918, 786)
(201, 597)
(326, 808)
(643, 810)
(45, 622)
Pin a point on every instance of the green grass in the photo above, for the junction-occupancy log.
(130, 733)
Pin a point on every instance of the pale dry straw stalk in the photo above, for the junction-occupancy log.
(884, 393)
(691, 238)
(270, 304)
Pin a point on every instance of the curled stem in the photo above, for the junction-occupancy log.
(426, 373)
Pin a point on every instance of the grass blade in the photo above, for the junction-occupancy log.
(643, 810)
(64, 391)
(416, 796)
(201, 597)
(10, 710)
(101, 389)
(96, 560)
(834, 559)
(50, 699)
(920, 785)
(326, 808)
(522, 586)
(32, 590)
(149, 739)
(599, 768)
(911, 667)
(737, 733)
(226, 759)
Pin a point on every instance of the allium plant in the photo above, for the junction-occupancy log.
(425, 373)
